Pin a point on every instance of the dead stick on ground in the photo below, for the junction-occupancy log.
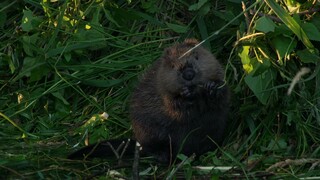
(125, 148)
(135, 166)
(296, 162)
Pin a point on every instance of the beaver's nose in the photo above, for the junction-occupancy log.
(188, 74)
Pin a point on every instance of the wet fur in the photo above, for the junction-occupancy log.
(170, 113)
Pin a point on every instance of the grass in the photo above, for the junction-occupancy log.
(64, 63)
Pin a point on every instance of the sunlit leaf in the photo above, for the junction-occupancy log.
(245, 59)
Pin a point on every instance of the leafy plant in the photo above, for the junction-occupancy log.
(65, 65)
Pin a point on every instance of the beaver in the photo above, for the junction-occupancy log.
(181, 103)
(179, 106)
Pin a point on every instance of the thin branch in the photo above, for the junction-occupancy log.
(135, 165)
(289, 162)
(12, 171)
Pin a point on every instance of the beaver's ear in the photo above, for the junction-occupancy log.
(167, 52)
(170, 53)
(191, 42)
(168, 56)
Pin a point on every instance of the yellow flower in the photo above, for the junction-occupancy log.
(88, 26)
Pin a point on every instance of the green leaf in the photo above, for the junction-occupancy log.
(283, 45)
(260, 85)
(204, 10)
(67, 56)
(29, 22)
(150, 6)
(279, 144)
(26, 20)
(177, 28)
(29, 42)
(311, 31)
(198, 5)
(265, 24)
(7, 60)
(282, 29)
(33, 67)
(28, 65)
(316, 21)
(38, 73)
(227, 16)
(307, 57)
(59, 96)
(291, 115)
(135, 15)
(110, 17)
(259, 66)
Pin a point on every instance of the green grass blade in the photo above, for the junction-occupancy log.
(25, 134)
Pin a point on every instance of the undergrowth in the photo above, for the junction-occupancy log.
(68, 69)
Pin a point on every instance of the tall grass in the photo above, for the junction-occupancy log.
(65, 63)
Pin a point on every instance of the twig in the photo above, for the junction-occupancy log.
(115, 152)
(296, 162)
(274, 18)
(135, 165)
(91, 152)
(12, 171)
(170, 146)
(309, 11)
(123, 146)
(55, 168)
(245, 13)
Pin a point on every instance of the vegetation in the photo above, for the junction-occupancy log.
(68, 68)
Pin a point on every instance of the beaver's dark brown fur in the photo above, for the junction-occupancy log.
(179, 106)
(181, 103)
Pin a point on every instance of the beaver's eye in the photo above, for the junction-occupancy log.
(196, 57)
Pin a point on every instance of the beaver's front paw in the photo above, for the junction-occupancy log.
(187, 92)
(214, 88)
